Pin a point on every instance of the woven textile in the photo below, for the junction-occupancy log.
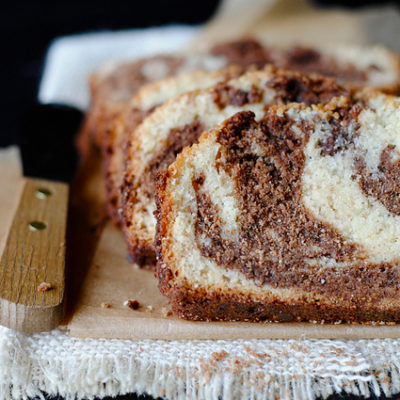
(55, 363)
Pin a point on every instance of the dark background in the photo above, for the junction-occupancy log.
(27, 28)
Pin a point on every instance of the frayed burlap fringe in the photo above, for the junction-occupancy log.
(54, 363)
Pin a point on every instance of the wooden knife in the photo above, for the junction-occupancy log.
(32, 266)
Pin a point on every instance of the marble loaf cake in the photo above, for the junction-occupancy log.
(165, 130)
(291, 217)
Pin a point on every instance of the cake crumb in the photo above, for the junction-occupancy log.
(149, 308)
(105, 305)
(218, 356)
(132, 304)
(44, 287)
(166, 312)
(339, 352)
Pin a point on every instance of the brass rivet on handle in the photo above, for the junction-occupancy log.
(36, 225)
(42, 193)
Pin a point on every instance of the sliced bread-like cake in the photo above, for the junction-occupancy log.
(180, 121)
(291, 217)
(113, 85)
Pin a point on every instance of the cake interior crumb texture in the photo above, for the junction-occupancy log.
(291, 217)
(180, 121)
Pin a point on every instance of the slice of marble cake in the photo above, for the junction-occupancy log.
(291, 217)
(112, 86)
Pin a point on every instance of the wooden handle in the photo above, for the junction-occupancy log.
(32, 276)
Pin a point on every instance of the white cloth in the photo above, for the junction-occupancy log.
(70, 60)
(239, 369)
(55, 363)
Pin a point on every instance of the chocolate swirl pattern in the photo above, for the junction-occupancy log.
(291, 217)
(113, 86)
(357, 187)
(179, 122)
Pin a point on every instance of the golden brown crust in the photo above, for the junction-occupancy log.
(192, 304)
(112, 88)
(114, 157)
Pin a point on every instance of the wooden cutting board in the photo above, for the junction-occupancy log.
(10, 189)
(111, 280)
(96, 306)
